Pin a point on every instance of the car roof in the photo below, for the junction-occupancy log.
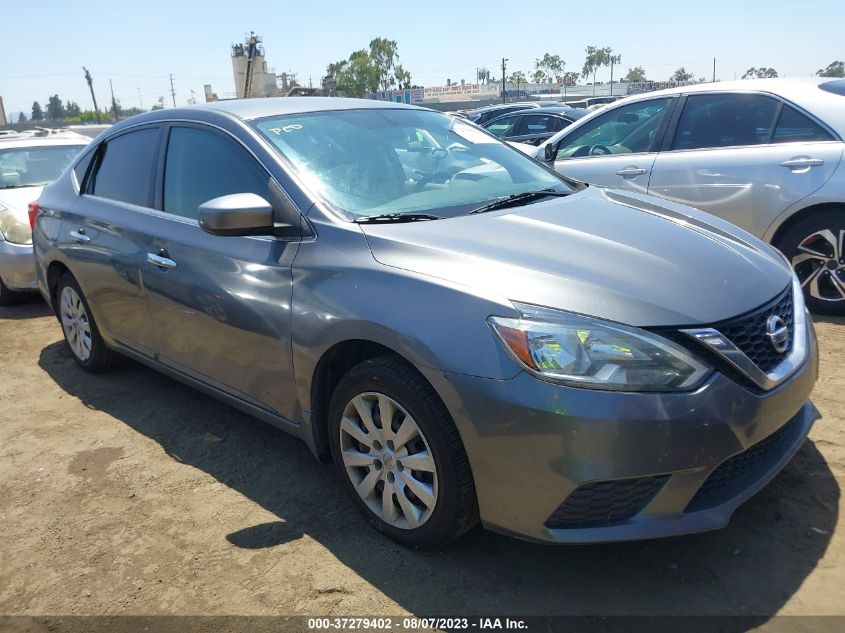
(43, 141)
(248, 109)
(563, 112)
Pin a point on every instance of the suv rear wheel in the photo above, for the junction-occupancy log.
(399, 454)
(816, 248)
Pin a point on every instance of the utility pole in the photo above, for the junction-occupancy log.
(504, 62)
(140, 103)
(91, 88)
(714, 70)
(172, 91)
(614, 59)
(113, 102)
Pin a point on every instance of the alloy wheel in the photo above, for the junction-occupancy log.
(820, 265)
(75, 323)
(388, 460)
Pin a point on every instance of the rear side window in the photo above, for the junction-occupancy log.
(725, 120)
(125, 168)
(793, 126)
(202, 165)
(538, 124)
(81, 168)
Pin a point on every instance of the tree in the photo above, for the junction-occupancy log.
(596, 58)
(636, 74)
(72, 109)
(403, 77)
(538, 76)
(37, 112)
(21, 117)
(383, 56)
(834, 69)
(483, 75)
(55, 108)
(358, 75)
(681, 75)
(159, 104)
(517, 77)
(760, 73)
(551, 66)
(115, 108)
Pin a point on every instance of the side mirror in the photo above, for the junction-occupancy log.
(237, 214)
(549, 152)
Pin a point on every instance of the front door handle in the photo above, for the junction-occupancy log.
(631, 171)
(802, 162)
(161, 262)
(80, 236)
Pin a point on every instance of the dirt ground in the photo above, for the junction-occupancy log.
(129, 493)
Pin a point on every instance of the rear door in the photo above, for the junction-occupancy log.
(745, 157)
(105, 236)
(221, 305)
(616, 148)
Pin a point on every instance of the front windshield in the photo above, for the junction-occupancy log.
(31, 166)
(395, 161)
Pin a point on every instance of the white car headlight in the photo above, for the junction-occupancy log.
(14, 229)
(586, 352)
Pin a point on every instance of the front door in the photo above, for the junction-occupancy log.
(221, 305)
(616, 148)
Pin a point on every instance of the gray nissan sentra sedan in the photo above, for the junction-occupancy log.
(467, 334)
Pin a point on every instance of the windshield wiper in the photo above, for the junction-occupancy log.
(396, 217)
(516, 199)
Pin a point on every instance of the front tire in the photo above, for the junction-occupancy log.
(816, 248)
(399, 454)
(81, 333)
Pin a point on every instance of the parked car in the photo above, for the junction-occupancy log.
(763, 154)
(27, 163)
(566, 363)
(532, 126)
(591, 102)
(480, 116)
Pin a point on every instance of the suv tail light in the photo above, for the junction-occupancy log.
(32, 209)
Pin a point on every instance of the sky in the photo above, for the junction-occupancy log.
(138, 45)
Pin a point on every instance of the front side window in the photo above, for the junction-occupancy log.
(725, 120)
(796, 127)
(125, 168)
(503, 127)
(34, 166)
(628, 129)
(369, 162)
(201, 165)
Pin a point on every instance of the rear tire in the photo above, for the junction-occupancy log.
(81, 333)
(409, 475)
(815, 246)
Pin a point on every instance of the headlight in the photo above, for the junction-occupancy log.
(586, 352)
(13, 228)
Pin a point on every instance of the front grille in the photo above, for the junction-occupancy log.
(604, 503)
(741, 471)
(748, 332)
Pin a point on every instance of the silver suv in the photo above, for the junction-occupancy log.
(468, 334)
(763, 154)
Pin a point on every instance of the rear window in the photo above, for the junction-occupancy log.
(32, 166)
(793, 127)
(836, 87)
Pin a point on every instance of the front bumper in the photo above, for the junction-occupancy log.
(531, 444)
(17, 266)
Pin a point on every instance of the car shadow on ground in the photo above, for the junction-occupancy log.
(750, 568)
(30, 307)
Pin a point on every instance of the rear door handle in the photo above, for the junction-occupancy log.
(802, 162)
(80, 236)
(632, 171)
(161, 262)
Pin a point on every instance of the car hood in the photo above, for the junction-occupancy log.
(18, 199)
(616, 255)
